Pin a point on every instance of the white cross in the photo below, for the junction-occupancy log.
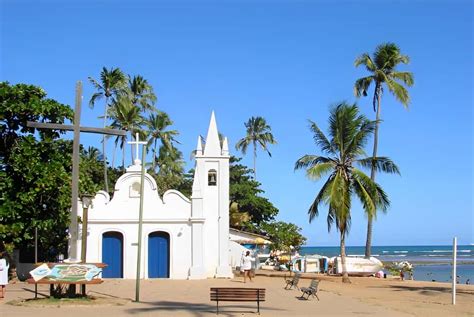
(136, 143)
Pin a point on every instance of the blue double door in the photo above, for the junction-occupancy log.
(158, 255)
(112, 254)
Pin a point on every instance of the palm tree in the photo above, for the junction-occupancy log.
(157, 125)
(382, 67)
(141, 93)
(126, 116)
(348, 131)
(170, 161)
(258, 132)
(111, 83)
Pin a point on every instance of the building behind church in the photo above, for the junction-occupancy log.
(182, 238)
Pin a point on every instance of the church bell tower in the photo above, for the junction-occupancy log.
(210, 207)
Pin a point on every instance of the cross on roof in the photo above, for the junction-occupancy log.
(136, 143)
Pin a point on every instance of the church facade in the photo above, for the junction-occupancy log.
(181, 238)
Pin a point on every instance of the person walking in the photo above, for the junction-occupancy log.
(246, 266)
(3, 273)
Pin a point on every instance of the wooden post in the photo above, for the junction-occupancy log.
(73, 228)
(454, 270)
(140, 217)
(85, 218)
(36, 258)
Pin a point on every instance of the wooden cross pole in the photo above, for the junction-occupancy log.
(76, 127)
(140, 213)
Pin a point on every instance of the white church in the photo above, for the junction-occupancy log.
(182, 238)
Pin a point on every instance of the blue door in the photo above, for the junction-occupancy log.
(112, 254)
(158, 255)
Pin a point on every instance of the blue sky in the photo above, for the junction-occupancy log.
(287, 61)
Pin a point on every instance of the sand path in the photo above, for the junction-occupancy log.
(364, 297)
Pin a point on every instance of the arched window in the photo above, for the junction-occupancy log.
(212, 178)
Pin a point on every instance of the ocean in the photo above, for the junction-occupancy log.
(431, 262)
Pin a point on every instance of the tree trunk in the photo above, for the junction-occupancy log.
(131, 149)
(154, 155)
(254, 160)
(123, 152)
(345, 275)
(104, 155)
(368, 243)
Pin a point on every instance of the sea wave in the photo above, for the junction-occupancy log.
(400, 251)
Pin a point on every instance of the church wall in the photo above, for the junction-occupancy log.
(180, 253)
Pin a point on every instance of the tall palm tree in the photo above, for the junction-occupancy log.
(382, 67)
(158, 127)
(348, 134)
(141, 93)
(126, 116)
(258, 132)
(111, 83)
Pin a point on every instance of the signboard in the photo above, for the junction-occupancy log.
(66, 272)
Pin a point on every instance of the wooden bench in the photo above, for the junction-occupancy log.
(237, 294)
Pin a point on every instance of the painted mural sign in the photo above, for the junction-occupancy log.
(66, 272)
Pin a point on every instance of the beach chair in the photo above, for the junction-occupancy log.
(293, 282)
(312, 290)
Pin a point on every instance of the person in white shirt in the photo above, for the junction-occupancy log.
(3, 273)
(246, 266)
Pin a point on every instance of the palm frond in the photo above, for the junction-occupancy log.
(405, 77)
(320, 197)
(365, 60)
(320, 139)
(317, 171)
(96, 96)
(362, 85)
(379, 197)
(358, 142)
(308, 161)
(400, 92)
(381, 164)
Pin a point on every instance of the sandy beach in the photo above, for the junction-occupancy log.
(364, 297)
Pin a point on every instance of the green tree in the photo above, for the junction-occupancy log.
(258, 132)
(170, 169)
(125, 116)
(284, 236)
(158, 125)
(246, 192)
(141, 93)
(383, 69)
(112, 82)
(348, 131)
(35, 174)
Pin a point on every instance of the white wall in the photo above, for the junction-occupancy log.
(170, 215)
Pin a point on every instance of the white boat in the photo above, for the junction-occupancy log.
(310, 264)
(357, 265)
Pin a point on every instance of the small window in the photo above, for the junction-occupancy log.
(212, 178)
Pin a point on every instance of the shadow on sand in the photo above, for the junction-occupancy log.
(430, 290)
(198, 309)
